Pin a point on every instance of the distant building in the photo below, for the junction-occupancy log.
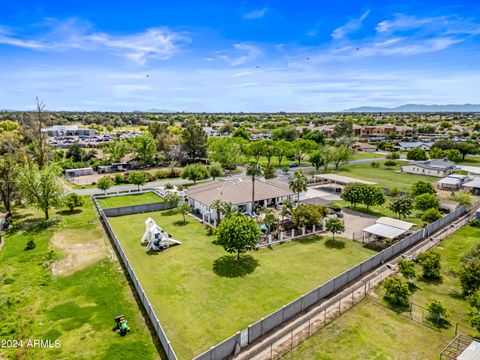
(436, 167)
(405, 146)
(70, 173)
(453, 182)
(365, 147)
(68, 130)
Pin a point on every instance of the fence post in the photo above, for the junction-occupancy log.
(313, 229)
(293, 233)
(303, 230)
(281, 235)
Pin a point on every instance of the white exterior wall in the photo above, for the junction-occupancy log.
(415, 169)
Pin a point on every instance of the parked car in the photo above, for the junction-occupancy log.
(294, 165)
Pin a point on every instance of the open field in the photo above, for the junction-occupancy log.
(202, 296)
(366, 155)
(372, 330)
(127, 200)
(384, 176)
(78, 308)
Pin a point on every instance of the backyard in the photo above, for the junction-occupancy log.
(127, 200)
(373, 330)
(78, 307)
(202, 295)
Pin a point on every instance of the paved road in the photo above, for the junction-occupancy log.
(280, 175)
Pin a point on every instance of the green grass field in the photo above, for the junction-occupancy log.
(77, 309)
(363, 155)
(373, 331)
(384, 176)
(126, 200)
(202, 296)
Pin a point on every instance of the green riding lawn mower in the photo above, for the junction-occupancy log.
(122, 325)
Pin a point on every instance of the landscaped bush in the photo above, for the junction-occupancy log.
(119, 178)
(437, 313)
(150, 177)
(475, 223)
(162, 173)
(374, 164)
(396, 291)
(431, 215)
(30, 245)
(389, 163)
(430, 262)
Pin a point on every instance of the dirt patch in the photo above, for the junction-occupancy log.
(355, 222)
(81, 248)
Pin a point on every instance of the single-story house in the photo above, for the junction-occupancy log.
(365, 147)
(405, 146)
(339, 180)
(238, 192)
(387, 228)
(473, 186)
(435, 167)
(70, 173)
(453, 182)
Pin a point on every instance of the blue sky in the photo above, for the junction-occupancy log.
(238, 56)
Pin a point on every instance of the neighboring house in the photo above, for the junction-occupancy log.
(435, 167)
(239, 193)
(473, 186)
(386, 228)
(453, 182)
(71, 173)
(365, 147)
(405, 146)
(384, 130)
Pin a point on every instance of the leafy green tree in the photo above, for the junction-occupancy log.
(475, 322)
(9, 187)
(426, 201)
(316, 159)
(422, 187)
(270, 217)
(352, 193)
(401, 205)
(431, 215)
(242, 133)
(184, 209)
(254, 170)
(42, 187)
(217, 205)
(117, 149)
(343, 128)
(145, 147)
(394, 192)
(228, 209)
(298, 183)
(256, 150)
(396, 291)
(341, 155)
(288, 133)
(171, 200)
(407, 269)
(104, 183)
(469, 271)
(308, 215)
(75, 152)
(225, 151)
(467, 148)
(315, 135)
(281, 149)
(268, 150)
(335, 226)
(328, 154)
(73, 200)
(474, 300)
(430, 262)
(215, 170)
(371, 195)
(238, 234)
(437, 153)
(195, 172)
(269, 171)
(454, 155)
(301, 148)
(437, 312)
(444, 144)
(138, 178)
(417, 154)
(194, 143)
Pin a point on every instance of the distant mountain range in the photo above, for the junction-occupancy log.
(419, 108)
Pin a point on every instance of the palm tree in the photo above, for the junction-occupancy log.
(298, 183)
(228, 209)
(270, 217)
(217, 205)
(254, 170)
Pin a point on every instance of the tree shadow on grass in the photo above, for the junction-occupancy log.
(228, 266)
(335, 244)
(428, 281)
(310, 240)
(68, 212)
(180, 223)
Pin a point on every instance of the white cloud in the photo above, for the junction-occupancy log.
(256, 14)
(154, 43)
(242, 54)
(350, 26)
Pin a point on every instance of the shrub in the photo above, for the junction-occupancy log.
(407, 269)
(437, 313)
(422, 187)
(162, 174)
(431, 215)
(8, 281)
(469, 272)
(393, 156)
(374, 164)
(119, 178)
(150, 176)
(396, 291)
(475, 322)
(475, 223)
(30, 245)
(389, 163)
(430, 262)
(394, 191)
(73, 201)
(426, 201)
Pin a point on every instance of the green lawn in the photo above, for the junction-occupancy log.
(77, 309)
(202, 296)
(471, 161)
(362, 155)
(384, 176)
(131, 199)
(372, 331)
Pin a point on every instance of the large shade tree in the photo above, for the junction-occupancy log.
(238, 234)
